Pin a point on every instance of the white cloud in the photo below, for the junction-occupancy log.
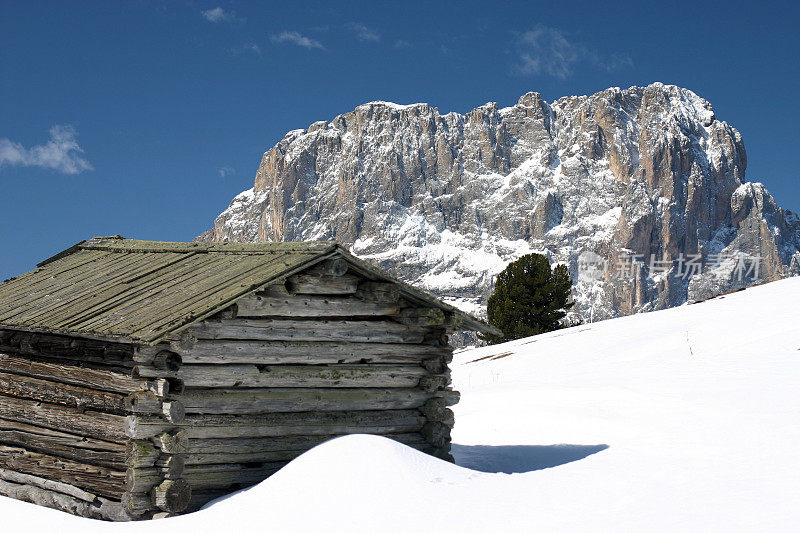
(224, 172)
(218, 15)
(544, 50)
(363, 33)
(60, 153)
(296, 38)
(400, 43)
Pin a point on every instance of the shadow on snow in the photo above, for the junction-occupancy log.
(522, 458)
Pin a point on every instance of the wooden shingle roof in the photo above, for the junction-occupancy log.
(141, 291)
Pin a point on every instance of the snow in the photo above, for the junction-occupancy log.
(676, 420)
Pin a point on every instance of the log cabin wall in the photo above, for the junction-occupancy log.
(326, 353)
(141, 379)
(62, 421)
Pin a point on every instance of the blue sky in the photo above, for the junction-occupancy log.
(145, 118)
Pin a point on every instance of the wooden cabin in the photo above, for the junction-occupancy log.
(142, 379)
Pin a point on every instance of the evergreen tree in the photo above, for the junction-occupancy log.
(529, 298)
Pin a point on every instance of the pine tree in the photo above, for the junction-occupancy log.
(529, 298)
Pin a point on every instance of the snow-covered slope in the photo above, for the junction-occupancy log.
(678, 420)
(643, 178)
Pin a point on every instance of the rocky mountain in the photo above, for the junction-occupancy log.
(641, 192)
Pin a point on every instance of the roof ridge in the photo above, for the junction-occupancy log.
(120, 244)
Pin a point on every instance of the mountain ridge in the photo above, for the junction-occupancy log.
(631, 182)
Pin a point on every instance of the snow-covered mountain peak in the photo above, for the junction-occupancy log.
(645, 177)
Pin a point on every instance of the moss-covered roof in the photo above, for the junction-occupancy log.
(141, 291)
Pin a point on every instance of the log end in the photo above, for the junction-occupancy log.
(173, 495)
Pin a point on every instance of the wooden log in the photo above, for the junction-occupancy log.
(308, 330)
(58, 443)
(141, 454)
(434, 383)
(446, 417)
(173, 411)
(96, 479)
(234, 452)
(274, 444)
(68, 348)
(74, 375)
(146, 402)
(254, 445)
(436, 433)
(161, 387)
(173, 442)
(242, 458)
(316, 284)
(451, 397)
(330, 267)
(435, 365)
(209, 477)
(272, 376)
(311, 306)
(377, 291)
(281, 424)
(167, 360)
(94, 424)
(251, 401)
(138, 503)
(102, 509)
(145, 479)
(49, 484)
(142, 479)
(60, 393)
(172, 466)
(173, 495)
(435, 408)
(143, 402)
(282, 352)
(421, 317)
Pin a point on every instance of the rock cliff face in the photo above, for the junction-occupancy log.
(644, 181)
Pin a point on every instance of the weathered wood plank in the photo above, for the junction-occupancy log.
(92, 424)
(384, 331)
(102, 509)
(54, 442)
(232, 451)
(377, 291)
(263, 376)
(96, 479)
(259, 305)
(209, 477)
(281, 424)
(250, 401)
(61, 393)
(421, 317)
(74, 375)
(330, 267)
(48, 484)
(68, 348)
(321, 284)
(309, 352)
